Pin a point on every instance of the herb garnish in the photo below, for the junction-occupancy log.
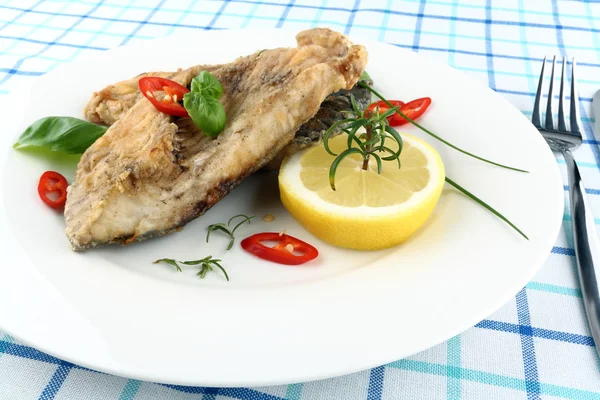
(427, 131)
(369, 143)
(373, 142)
(206, 265)
(226, 228)
(64, 134)
(203, 106)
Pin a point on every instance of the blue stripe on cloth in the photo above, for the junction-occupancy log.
(579, 163)
(351, 17)
(532, 383)
(250, 14)
(56, 381)
(34, 29)
(489, 53)
(20, 62)
(418, 26)
(323, 7)
(17, 72)
(294, 392)
(130, 389)
(209, 396)
(384, 23)
(375, 388)
(285, 13)
(549, 288)
(238, 393)
(567, 217)
(496, 55)
(316, 21)
(452, 35)
(379, 10)
(214, 20)
(95, 32)
(587, 190)
(565, 251)
(525, 48)
(527, 330)
(142, 23)
(497, 380)
(51, 43)
(591, 20)
(587, 129)
(453, 353)
(133, 21)
(185, 12)
(19, 15)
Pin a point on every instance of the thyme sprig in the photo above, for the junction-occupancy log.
(226, 228)
(206, 265)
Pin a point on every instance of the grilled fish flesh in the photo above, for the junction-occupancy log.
(143, 179)
(110, 104)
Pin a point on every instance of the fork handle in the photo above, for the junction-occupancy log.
(587, 246)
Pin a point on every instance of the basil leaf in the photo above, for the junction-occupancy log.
(66, 134)
(207, 112)
(207, 84)
(365, 76)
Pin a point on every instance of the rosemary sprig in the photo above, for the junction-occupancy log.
(206, 265)
(373, 142)
(484, 205)
(226, 228)
(363, 85)
(369, 144)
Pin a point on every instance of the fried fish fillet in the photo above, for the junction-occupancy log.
(110, 104)
(143, 178)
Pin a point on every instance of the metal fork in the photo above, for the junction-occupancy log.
(585, 236)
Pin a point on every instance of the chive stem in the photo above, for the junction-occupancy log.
(363, 85)
(484, 205)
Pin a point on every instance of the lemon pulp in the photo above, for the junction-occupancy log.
(367, 210)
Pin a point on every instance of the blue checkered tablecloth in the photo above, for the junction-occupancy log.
(535, 347)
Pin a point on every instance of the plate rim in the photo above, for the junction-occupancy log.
(508, 293)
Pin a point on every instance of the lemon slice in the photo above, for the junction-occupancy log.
(367, 210)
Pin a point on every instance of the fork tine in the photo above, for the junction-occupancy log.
(562, 124)
(574, 102)
(549, 120)
(536, 117)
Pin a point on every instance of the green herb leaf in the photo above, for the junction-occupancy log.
(335, 164)
(216, 263)
(207, 84)
(364, 85)
(206, 265)
(365, 76)
(207, 112)
(484, 205)
(227, 228)
(65, 134)
(169, 261)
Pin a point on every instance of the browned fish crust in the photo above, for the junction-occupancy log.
(150, 174)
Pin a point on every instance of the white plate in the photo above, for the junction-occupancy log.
(112, 310)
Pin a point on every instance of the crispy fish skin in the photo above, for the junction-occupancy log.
(111, 103)
(140, 181)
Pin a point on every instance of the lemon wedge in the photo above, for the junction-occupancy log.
(367, 211)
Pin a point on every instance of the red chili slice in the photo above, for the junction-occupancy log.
(413, 110)
(52, 189)
(393, 119)
(151, 84)
(280, 253)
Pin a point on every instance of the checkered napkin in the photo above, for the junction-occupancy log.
(535, 347)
